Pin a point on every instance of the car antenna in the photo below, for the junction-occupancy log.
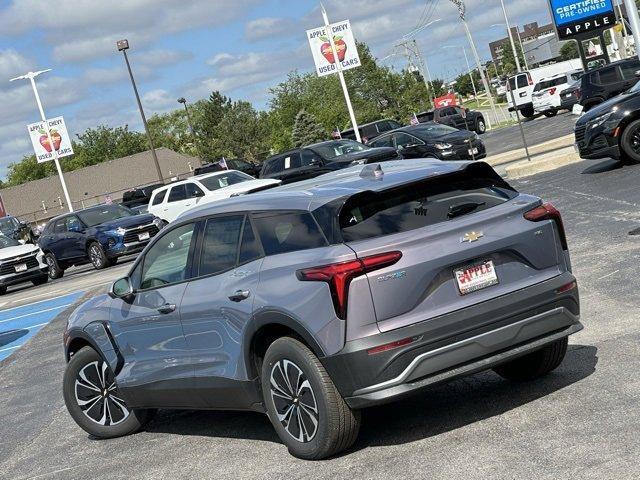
(372, 171)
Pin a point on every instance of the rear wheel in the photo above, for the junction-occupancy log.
(527, 112)
(55, 270)
(304, 406)
(630, 143)
(550, 113)
(535, 364)
(41, 280)
(93, 400)
(3, 290)
(481, 127)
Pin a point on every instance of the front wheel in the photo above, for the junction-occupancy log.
(93, 400)
(550, 113)
(304, 406)
(55, 270)
(630, 143)
(535, 364)
(97, 256)
(481, 127)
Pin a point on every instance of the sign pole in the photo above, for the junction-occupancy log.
(53, 149)
(634, 20)
(347, 99)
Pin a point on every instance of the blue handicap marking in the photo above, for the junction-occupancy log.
(19, 324)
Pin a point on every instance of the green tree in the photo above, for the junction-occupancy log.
(508, 60)
(242, 132)
(306, 130)
(464, 86)
(28, 169)
(104, 143)
(569, 50)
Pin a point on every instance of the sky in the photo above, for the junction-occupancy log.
(188, 48)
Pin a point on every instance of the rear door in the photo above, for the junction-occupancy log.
(521, 89)
(451, 231)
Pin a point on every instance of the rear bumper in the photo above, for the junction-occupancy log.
(511, 326)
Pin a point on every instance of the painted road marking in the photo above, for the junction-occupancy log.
(19, 324)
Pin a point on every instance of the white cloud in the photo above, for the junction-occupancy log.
(267, 27)
(13, 64)
(158, 101)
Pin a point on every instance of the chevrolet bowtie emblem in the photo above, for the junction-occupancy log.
(471, 237)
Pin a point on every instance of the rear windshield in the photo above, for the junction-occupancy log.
(554, 82)
(216, 182)
(331, 150)
(420, 204)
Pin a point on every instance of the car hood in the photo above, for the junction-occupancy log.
(605, 107)
(10, 252)
(373, 154)
(457, 138)
(249, 186)
(126, 222)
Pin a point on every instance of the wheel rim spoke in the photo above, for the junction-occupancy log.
(97, 395)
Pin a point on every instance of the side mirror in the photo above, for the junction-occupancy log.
(121, 288)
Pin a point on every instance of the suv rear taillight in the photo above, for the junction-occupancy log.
(552, 90)
(578, 94)
(529, 79)
(339, 275)
(547, 211)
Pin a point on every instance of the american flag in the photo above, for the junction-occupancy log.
(414, 120)
(336, 134)
(223, 163)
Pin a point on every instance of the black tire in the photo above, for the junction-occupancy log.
(55, 269)
(528, 112)
(41, 280)
(630, 143)
(535, 364)
(481, 127)
(98, 258)
(550, 113)
(3, 290)
(110, 421)
(336, 425)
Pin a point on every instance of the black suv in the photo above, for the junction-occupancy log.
(605, 82)
(457, 117)
(239, 164)
(139, 196)
(319, 158)
(369, 131)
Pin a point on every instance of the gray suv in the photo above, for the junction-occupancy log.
(313, 300)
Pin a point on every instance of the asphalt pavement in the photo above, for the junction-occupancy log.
(538, 130)
(582, 421)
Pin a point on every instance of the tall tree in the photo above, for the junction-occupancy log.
(508, 60)
(306, 130)
(569, 50)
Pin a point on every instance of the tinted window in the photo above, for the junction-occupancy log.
(73, 223)
(6, 242)
(249, 248)
(402, 139)
(287, 232)
(553, 82)
(336, 148)
(368, 131)
(193, 190)
(425, 116)
(445, 112)
(177, 193)
(292, 160)
(220, 244)
(273, 166)
(166, 261)
(629, 70)
(222, 180)
(60, 225)
(418, 205)
(382, 141)
(522, 81)
(159, 197)
(105, 213)
(308, 157)
(606, 76)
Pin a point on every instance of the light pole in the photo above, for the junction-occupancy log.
(31, 77)
(183, 101)
(461, 11)
(466, 59)
(426, 74)
(513, 45)
(524, 54)
(123, 46)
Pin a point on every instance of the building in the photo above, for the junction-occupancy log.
(540, 44)
(43, 199)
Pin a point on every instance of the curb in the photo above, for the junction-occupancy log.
(538, 149)
(543, 164)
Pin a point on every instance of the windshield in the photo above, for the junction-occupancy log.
(635, 88)
(329, 150)
(433, 130)
(554, 82)
(8, 242)
(105, 213)
(215, 182)
(8, 224)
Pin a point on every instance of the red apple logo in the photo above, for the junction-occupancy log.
(44, 140)
(325, 48)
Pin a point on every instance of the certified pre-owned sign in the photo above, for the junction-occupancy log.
(575, 17)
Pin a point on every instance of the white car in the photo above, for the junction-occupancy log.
(170, 201)
(546, 97)
(20, 263)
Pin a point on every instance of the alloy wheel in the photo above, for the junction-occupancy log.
(294, 401)
(97, 395)
(51, 263)
(95, 255)
(635, 141)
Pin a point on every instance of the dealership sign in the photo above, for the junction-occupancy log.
(59, 137)
(344, 43)
(576, 17)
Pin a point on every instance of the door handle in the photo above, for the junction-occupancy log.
(239, 295)
(167, 308)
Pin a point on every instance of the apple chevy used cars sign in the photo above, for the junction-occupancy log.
(345, 48)
(59, 137)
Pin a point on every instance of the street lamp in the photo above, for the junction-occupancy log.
(524, 54)
(513, 45)
(123, 46)
(31, 77)
(183, 101)
(461, 11)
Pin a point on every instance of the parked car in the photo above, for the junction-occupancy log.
(606, 82)
(11, 227)
(611, 129)
(99, 235)
(139, 195)
(239, 164)
(547, 93)
(369, 131)
(321, 298)
(20, 263)
(522, 84)
(455, 116)
(169, 202)
(433, 140)
(320, 158)
(570, 96)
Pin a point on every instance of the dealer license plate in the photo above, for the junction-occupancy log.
(143, 236)
(476, 277)
(21, 267)
(473, 151)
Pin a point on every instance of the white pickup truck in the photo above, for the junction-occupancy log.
(522, 84)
